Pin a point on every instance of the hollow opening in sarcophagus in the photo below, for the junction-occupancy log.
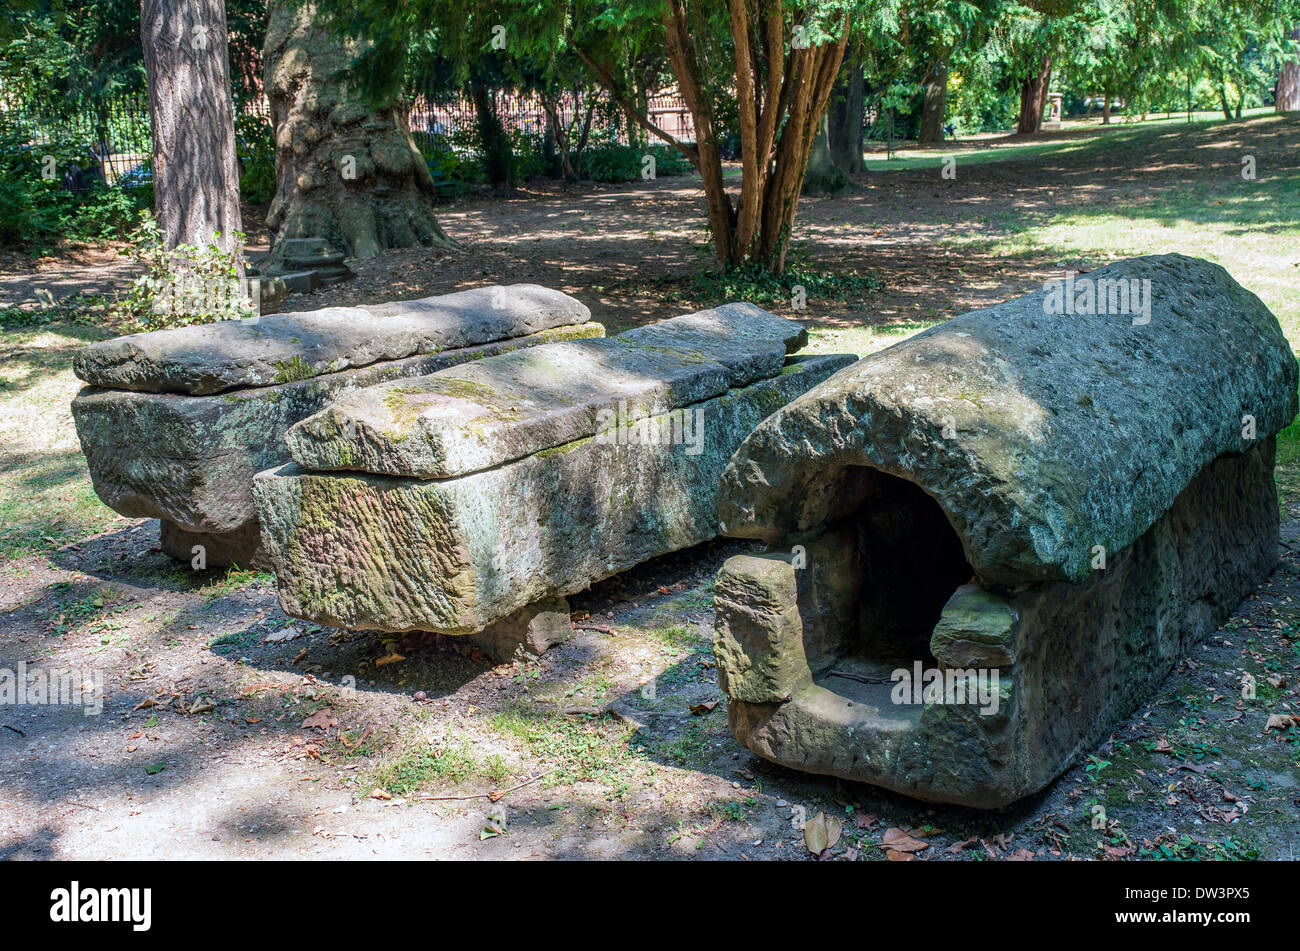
(902, 561)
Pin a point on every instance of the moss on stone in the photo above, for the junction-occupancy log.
(291, 371)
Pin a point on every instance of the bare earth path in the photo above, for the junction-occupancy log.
(231, 731)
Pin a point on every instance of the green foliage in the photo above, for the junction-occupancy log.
(188, 285)
(255, 145)
(612, 162)
(36, 212)
(535, 156)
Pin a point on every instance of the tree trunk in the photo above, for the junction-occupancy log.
(1223, 102)
(935, 104)
(1286, 97)
(823, 176)
(847, 111)
(345, 171)
(1105, 109)
(195, 172)
(782, 92)
(1033, 98)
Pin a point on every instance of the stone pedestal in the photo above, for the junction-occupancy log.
(528, 632)
(311, 254)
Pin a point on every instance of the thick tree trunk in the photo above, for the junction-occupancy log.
(1287, 94)
(195, 172)
(847, 112)
(1105, 110)
(823, 176)
(935, 104)
(1033, 98)
(345, 171)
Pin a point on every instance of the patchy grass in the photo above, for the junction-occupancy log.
(421, 762)
(46, 500)
(580, 748)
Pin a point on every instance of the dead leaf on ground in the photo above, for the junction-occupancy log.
(899, 841)
(821, 833)
(380, 793)
(1281, 721)
(699, 709)
(320, 720)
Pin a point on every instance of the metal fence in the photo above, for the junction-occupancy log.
(117, 134)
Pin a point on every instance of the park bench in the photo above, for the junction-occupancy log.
(472, 500)
(990, 542)
(175, 423)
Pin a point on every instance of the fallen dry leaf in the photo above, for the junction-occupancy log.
(699, 709)
(900, 841)
(320, 720)
(380, 793)
(392, 658)
(1281, 721)
(821, 832)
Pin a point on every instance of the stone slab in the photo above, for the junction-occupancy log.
(490, 412)
(191, 460)
(453, 556)
(282, 348)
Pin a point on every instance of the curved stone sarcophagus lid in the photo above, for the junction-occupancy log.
(1044, 426)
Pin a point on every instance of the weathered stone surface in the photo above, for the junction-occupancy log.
(241, 547)
(530, 631)
(1067, 509)
(190, 460)
(390, 553)
(314, 255)
(1075, 659)
(483, 414)
(759, 641)
(1063, 432)
(283, 348)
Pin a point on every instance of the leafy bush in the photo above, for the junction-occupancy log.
(535, 156)
(255, 145)
(612, 162)
(189, 285)
(670, 162)
(36, 211)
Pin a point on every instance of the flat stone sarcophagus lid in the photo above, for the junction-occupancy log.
(282, 348)
(478, 415)
(1041, 434)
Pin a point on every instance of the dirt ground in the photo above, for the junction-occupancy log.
(232, 731)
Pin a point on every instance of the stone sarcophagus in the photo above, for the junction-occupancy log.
(472, 500)
(990, 542)
(175, 423)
